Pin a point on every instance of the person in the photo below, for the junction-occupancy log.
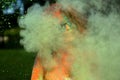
(70, 21)
(74, 40)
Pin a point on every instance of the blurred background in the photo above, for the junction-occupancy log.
(15, 62)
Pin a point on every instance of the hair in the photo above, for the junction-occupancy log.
(76, 18)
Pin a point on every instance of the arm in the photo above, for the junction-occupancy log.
(37, 72)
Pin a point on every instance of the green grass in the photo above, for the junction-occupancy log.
(16, 64)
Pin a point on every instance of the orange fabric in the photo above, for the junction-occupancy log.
(37, 70)
(61, 70)
(56, 74)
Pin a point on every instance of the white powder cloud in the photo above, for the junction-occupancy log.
(96, 54)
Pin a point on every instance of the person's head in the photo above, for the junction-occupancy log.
(73, 15)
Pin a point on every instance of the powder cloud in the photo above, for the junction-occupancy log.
(96, 53)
